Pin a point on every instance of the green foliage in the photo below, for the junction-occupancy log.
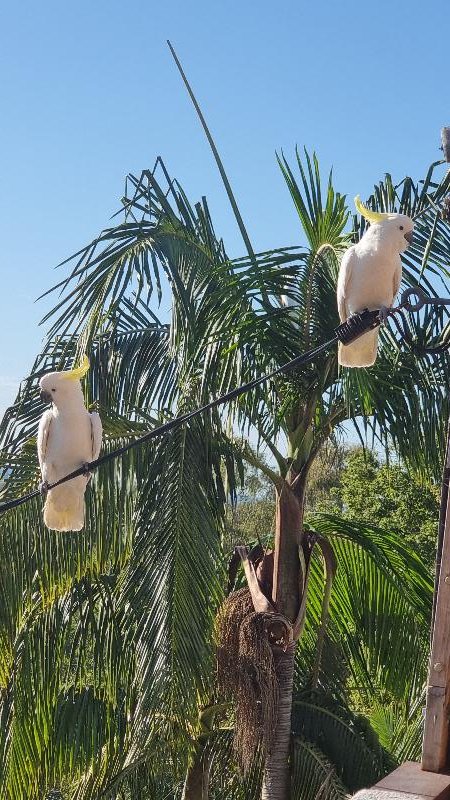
(379, 616)
(392, 498)
(344, 738)
(325, 477)
(252, 517)
(358, 485)
(313, 775)
(399, 727)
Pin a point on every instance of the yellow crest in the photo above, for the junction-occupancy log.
(77, 373)
(370, 216)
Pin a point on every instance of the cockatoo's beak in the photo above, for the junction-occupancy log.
(46, 396)
(409, 236)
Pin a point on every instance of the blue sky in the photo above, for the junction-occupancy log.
(89, 92)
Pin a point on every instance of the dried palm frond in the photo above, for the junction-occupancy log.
(247, 671)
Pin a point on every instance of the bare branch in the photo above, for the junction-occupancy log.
(249, 455)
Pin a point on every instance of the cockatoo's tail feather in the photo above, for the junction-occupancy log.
(361, 353)
(64, 507)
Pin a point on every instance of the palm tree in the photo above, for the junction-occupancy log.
(306, 408)
(107, 664)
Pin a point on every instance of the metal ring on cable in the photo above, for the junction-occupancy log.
(423, 299)
(435, 346)
(414, 291)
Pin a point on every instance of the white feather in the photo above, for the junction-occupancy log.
(43, 431)
(97, 433)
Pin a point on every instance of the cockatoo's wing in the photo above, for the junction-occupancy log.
(397, 280)
(43, 434)
(345, 274)
(96, 434)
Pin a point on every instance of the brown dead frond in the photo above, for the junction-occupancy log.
(257, 691)
(237, 606)
(247, 673)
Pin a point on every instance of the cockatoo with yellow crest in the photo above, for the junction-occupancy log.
(370, 276)
(68, 437)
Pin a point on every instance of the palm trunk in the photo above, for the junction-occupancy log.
(196, 785)
(276, 782)
(288, 534)
(286, 594)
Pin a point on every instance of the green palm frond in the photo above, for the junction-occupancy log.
(313, 776)
(403, 399)
(72, 661)
(161, 235)
(322, 221)
(345, 738)
(379, 609)
(399, 727)
(226, 783)
(430, 249)
(174, 574)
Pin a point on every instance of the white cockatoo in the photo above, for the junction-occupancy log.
(370, 276)
(68, 437)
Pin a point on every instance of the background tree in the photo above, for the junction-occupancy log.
(392, 498)
(355, 483)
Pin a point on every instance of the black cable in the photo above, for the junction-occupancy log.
(173, 423)
(354, 327)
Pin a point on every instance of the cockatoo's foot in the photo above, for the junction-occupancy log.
(43, 488)
(87, 471)
(383, 314)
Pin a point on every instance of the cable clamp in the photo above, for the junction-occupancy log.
(356, 325)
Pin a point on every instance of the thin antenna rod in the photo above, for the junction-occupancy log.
(225, 180)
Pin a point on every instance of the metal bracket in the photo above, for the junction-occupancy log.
(414, 299)
(356, 325)
(422, 300)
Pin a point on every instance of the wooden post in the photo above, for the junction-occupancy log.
(436, 733)
(445, 139)
(408, 782)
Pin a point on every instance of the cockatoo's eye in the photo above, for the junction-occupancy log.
(53, 390)
(401, 227)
